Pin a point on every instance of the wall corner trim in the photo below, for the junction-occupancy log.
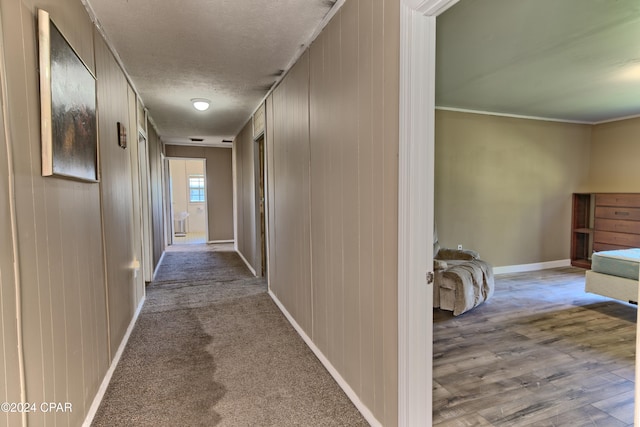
(366, 413)
(93, 409)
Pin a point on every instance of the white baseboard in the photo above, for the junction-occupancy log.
(366, 413)
(107, 377)
(247, 263)
(213, 242)
(155, 271)
(521, 268)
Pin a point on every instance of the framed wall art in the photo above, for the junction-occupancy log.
(67, 106)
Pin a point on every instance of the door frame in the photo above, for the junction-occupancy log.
(415, 208)
(169, 196)
(260, 166)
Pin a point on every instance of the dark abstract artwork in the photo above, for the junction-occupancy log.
(68, 101)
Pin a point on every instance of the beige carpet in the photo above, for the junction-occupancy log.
(211, 348)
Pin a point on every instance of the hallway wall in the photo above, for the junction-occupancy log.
(219, 186)
(9, 344)
(156, 169)
(117, 200)
(75, 242)
(332, 162)
(247, 238)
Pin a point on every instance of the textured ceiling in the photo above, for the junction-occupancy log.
(575, 60)
(229, 51)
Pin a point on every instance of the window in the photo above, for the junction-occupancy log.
(196, 188)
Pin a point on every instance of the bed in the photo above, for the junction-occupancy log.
(614, 274)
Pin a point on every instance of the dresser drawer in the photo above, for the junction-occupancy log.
(628, 200)
(622, 239)
(629, 214)
(619, 226)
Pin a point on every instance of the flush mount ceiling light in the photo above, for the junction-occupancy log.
(200, 104)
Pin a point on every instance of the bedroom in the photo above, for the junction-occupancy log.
(504, 181)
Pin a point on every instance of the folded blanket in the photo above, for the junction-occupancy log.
(472, 281)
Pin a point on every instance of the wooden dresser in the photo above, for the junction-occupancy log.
(601, 222)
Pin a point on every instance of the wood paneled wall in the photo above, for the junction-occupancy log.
(289, 195)
(136, 194)
(75, 285)
(117, 198)
(219, 186)
(332, 160)
(248, 237)
(156, 174)
(9, 341)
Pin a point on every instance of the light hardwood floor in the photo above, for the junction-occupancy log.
(541, 352)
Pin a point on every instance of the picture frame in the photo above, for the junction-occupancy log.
(122, 135)
(67, 106)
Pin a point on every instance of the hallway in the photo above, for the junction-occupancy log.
(211, 348)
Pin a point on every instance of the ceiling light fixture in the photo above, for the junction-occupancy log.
(200, 104)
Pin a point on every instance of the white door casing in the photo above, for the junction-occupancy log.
(415, 209)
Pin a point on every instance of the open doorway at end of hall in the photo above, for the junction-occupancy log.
(188, 195)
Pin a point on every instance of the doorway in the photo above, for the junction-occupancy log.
(188, 201)
(260, 203)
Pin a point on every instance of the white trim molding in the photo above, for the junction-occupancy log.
(521, 268)
(415, 217)
(415, 208)
(107, 377)
(352, 395)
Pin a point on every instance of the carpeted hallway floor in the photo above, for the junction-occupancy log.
(211, 348)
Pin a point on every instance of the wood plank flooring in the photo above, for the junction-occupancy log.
(541, 352)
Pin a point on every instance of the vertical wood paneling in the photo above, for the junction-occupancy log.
(351, 211)
(333, 209)
(248, 231)
(60, 250)
(10, 369)
(319, 194)
(377, 130)
(367, 196)
(117, 199)
(291, 184)
(390, 197)
(136, 195)
(157, 193)
(353, 156)
(272, 273)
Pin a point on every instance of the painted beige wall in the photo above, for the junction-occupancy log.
(10, 371)
(332, 188)
(60, 247)
(504, 185)
(75, 284)
(615, 154)
(247, 238)
(117, 199)
(156, 175)
(136, 195)
(219, 186)
(289, 195)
